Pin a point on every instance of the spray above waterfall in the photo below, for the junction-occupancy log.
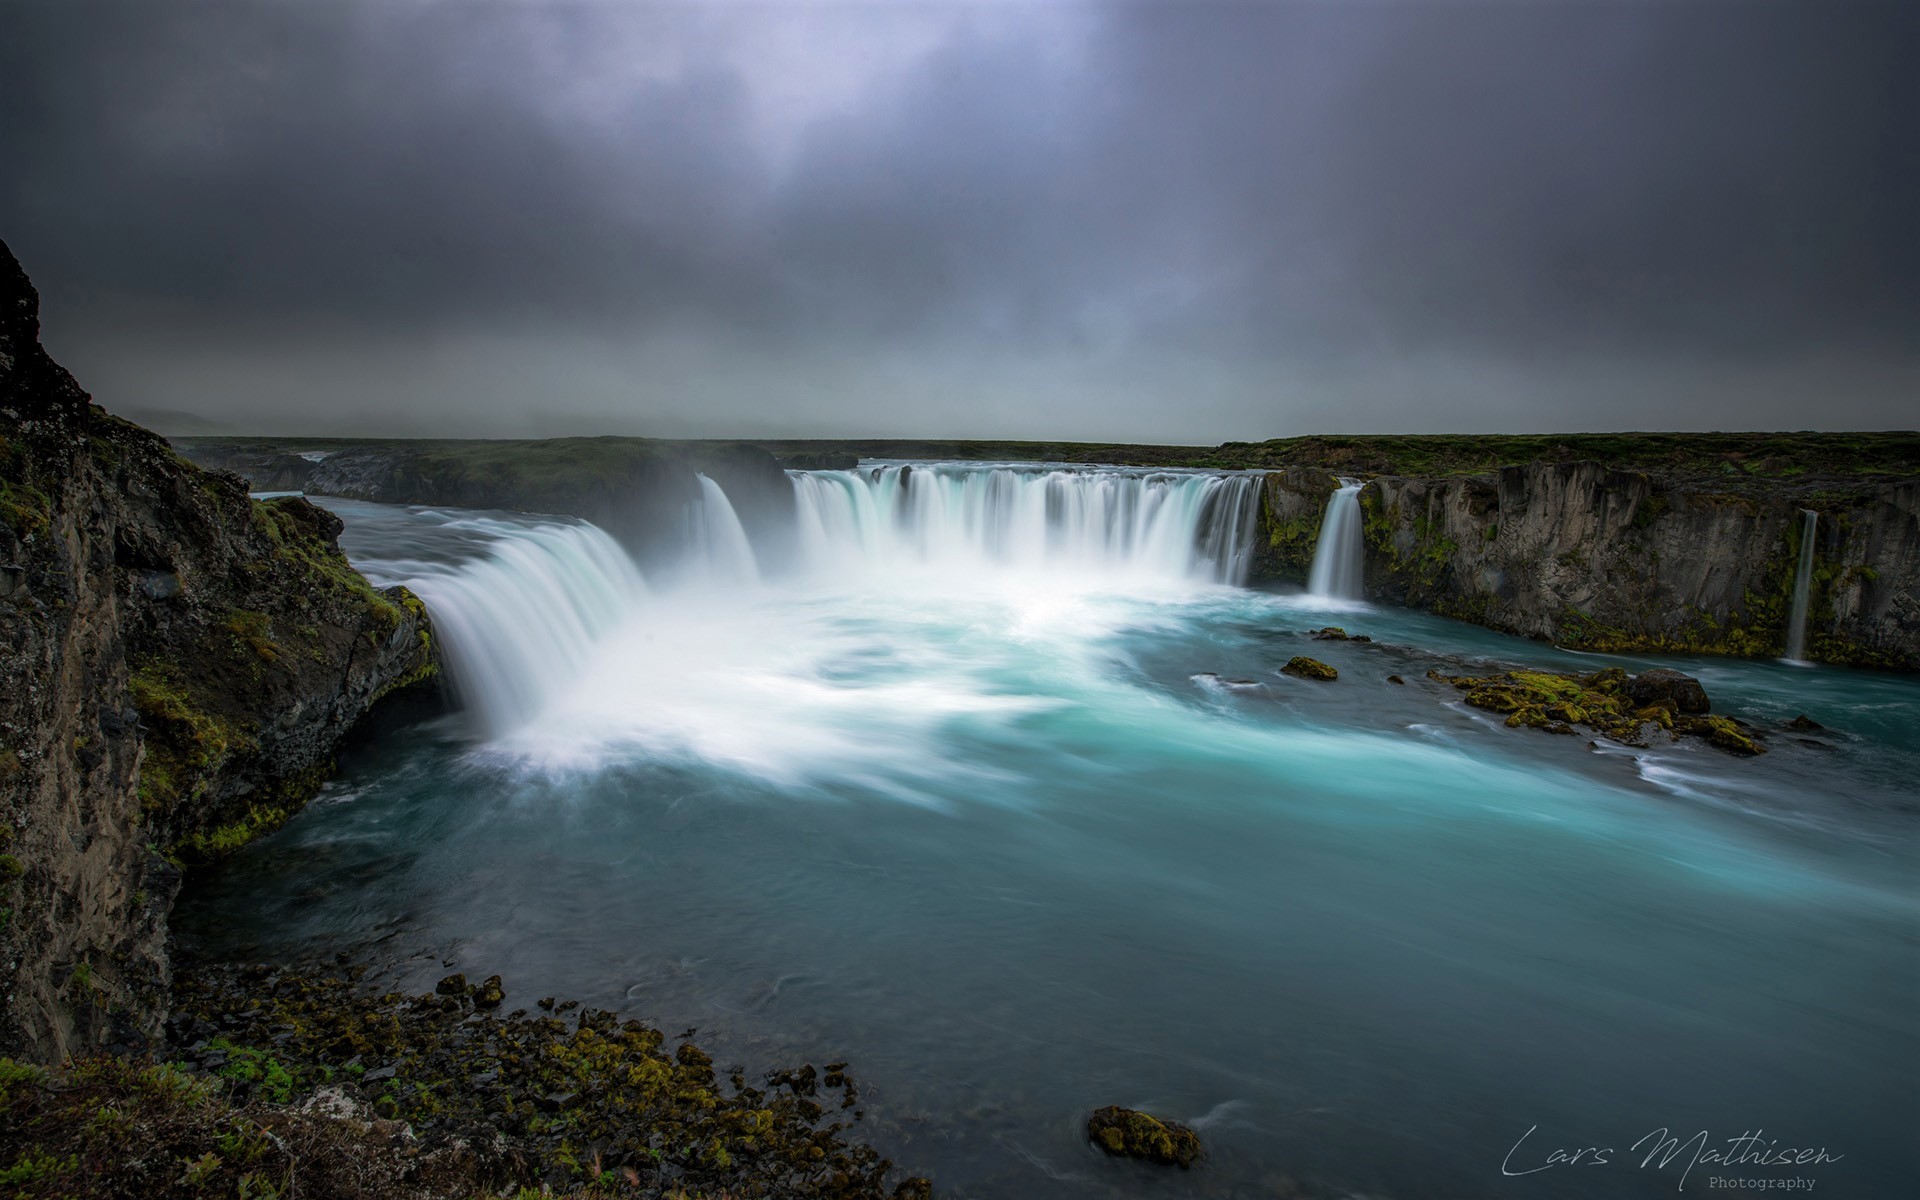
(1802, 587)
(1339, 554)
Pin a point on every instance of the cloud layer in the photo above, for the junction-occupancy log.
(1157, 221)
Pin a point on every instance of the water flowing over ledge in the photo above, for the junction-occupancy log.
(552, 632)
(1116, 522)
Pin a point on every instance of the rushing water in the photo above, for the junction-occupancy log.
(1802, 586)
(1338, 555)
(1020, 838)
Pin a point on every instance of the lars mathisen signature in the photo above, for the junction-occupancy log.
(1751, 1149)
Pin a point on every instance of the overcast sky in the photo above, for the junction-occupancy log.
(1168, 221)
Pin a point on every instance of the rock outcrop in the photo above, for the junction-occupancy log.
(1601, 558)
(181, 663)
(1128, 1133)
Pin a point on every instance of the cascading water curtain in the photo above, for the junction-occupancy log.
(1126, 522)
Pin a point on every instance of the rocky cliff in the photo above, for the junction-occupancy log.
(1602, 558)
(180, 663)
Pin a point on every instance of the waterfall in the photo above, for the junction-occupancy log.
(1802, 585)
(1339, 554)
(518, 610)
(1093, 521)
(719, 550)
(527, 608)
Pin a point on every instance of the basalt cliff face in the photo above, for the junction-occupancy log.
(1600, 558)
(181, 662)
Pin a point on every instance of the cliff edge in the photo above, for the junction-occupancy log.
(181, 662)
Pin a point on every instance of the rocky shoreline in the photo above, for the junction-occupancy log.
(290, 1082)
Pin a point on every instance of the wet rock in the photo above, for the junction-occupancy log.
(1331, 633)
(452, 985)
(490, 993)
(1805, 724)
(1309, 668)
(1665, 685)
(1396, 679)
(1126, 1133)
(1724, 732)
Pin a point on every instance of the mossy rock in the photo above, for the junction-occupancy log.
(1606, 701)
(1126, 1133)
(1309, 668)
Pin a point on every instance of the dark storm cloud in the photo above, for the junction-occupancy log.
(1171, 221)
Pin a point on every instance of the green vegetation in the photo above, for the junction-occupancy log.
(24, 508)
(302, 541)
(185, 741)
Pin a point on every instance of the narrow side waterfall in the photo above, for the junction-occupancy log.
(1104, 521)
(1802, 585)
(1339, 554)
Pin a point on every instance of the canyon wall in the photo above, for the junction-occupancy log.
(1599, 558)
(181, 662)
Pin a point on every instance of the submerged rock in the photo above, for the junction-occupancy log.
(1805, 724)
(1126, 1133)
(1664, 684)
(1309, 668)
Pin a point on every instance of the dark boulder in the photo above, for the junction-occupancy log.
(1663, 684)
(1125, 1133)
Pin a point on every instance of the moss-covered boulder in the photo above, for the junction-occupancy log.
(1603, 701)
(1127, 1133)
(1303, 667)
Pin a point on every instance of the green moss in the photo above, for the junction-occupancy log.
(222, 840)
(25, 508)
(253, 630)
(301, 542)
(1127, 1132)
(1309, 668)
(185, 741)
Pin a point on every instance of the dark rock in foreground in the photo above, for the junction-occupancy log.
(1126, 1133)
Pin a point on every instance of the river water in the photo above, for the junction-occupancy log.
(996, 791)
